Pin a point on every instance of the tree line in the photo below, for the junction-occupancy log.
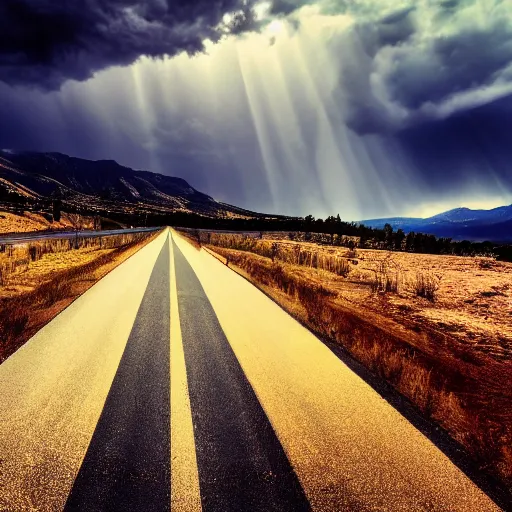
(375, 238)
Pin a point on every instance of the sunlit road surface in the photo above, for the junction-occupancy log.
(174, 384)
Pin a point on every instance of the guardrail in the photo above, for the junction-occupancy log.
(16, 238)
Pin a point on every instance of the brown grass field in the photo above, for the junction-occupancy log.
(39, 279)
(437, 328)
(28, 222)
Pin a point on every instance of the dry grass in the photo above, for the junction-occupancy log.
(467, 298)
(294, 253)
(19, 261)
(28, 222)
(44, 277)
(387, 274)
(426, 286)
(415, 320)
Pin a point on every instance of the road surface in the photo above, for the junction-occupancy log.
(45, 235)
(174, 384)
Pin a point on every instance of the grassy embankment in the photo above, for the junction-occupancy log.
(39, 279)
(437, 328)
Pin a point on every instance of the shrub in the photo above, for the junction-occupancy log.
(387, 275)
(55, 290)
(314, 299)
(343, 267)
(426, 285)
(13, 322)
(486, 263)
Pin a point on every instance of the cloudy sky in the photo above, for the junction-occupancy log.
(367, 108)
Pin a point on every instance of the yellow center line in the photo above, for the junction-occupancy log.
(53, 389)
(185, 493)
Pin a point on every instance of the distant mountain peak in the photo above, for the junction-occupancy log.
(458, 223)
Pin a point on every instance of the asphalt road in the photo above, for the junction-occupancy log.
(174, 384)
(242, 465)
(126, 467)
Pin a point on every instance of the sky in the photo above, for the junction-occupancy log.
(366, 108)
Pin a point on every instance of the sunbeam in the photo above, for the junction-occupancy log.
(303, 111)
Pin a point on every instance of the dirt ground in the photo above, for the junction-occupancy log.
(473, 301)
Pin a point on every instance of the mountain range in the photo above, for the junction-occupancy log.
(28, 177)
(494, 225)
(33, 180)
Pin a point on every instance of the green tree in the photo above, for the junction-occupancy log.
(410, 241)
(388, 235)
(56, 209)
(399, 238)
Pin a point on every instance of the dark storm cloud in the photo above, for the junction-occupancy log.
(425, 62)
(285, 6)
(429, 81)
(46, 42)
(458, 62)
(467, 146)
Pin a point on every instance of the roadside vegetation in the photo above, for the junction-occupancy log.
(335, 232)
(39, 279)
(437, 328)
(25, 221)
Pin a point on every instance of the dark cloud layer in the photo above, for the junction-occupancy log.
(46, 42)
(424, 88)
(424, 62)
(398, 67)
(472, 146)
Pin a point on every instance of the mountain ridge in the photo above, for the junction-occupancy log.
(459, 223)
(102, 184)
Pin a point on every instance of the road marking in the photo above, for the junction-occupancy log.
(54, 387)
(126, 467)
(185, 493)
(241, 464)
(350, 449)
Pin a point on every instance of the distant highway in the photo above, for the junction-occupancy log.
(29, 237)
(174, 384)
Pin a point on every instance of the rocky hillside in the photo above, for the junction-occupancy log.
(100, 184)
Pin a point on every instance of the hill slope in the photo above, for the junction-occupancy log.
(101, 184)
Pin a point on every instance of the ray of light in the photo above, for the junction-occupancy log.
(262, 120)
